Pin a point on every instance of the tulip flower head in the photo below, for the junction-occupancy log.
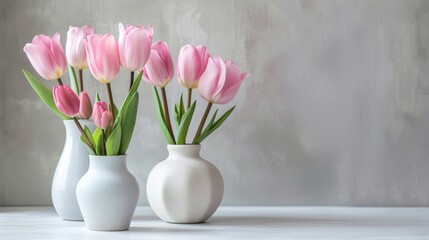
(103, 57)
(47, 56)
(191, 64)
(66, 100)
(75, 48)
(220, 81)
(134, 46)
(159, 69)
(101, 115)
(85, 107)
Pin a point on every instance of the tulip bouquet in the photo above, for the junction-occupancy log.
(217, 82)
(104, 58)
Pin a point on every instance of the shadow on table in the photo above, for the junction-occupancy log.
(291, 221)
(165, 230)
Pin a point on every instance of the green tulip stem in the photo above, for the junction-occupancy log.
(188, 105)
(112, 105)
(166, 112)
(59, 81)
(131, 80)
(80, 80)
(85, 137)
(203, 121)
(103, 144)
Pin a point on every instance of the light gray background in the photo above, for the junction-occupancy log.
(335, 111)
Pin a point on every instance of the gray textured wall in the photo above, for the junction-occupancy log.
(335, 111)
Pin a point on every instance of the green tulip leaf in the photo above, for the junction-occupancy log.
(97, 97)
(73, 80)
(179, 110)
(127, 100)
(128, 123)
(160, 117)
(45, 94)
(98, 141)
(176, 115)
(184, 124)
(89, 134)
(113, 143)
(213, 125)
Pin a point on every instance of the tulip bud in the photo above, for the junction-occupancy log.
(101, 115)
(103, 57)
(47, 56)
(134, 46)
(75, 48)
(191, 64)
(106, 119)
(220, 81)
(66, 100)
(85, 108)
(158, 70)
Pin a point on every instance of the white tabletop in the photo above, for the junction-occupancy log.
(232, 223)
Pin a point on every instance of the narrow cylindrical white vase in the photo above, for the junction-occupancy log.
(184, 188)
(73, 164)
(107, 194)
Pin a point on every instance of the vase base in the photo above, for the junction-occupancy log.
(107, 230)
(72, 220)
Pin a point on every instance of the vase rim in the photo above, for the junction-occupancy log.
(184, 145)
(107, 156)
(188, 146)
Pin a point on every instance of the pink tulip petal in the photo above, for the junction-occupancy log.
(156, 70)
(228, 95)
(136, 49)
(106, 119)
(188, 66)
(58, 54)
(66, 100)
(220, 64)
(204, 58)
(164, 54)
(41, 59)
(121, 43)
(208, 80)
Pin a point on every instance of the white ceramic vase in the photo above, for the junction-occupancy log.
(107, 194)
(184, 188)
(73, 164)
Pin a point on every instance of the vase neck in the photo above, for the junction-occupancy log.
(184, 150)
(71, 127)
(108, 163)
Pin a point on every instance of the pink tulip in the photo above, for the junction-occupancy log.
(134, 46)
(75, 49)
(66, 100)
(191, 64)
(85, 107)
(101, 115)
(159, 69)
(220, 81)
(47, 56)
(103, 57)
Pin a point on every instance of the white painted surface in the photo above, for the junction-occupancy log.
(238, 223)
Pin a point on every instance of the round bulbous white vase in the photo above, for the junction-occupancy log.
(184, 188)
(73, 164)
(107, 194)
